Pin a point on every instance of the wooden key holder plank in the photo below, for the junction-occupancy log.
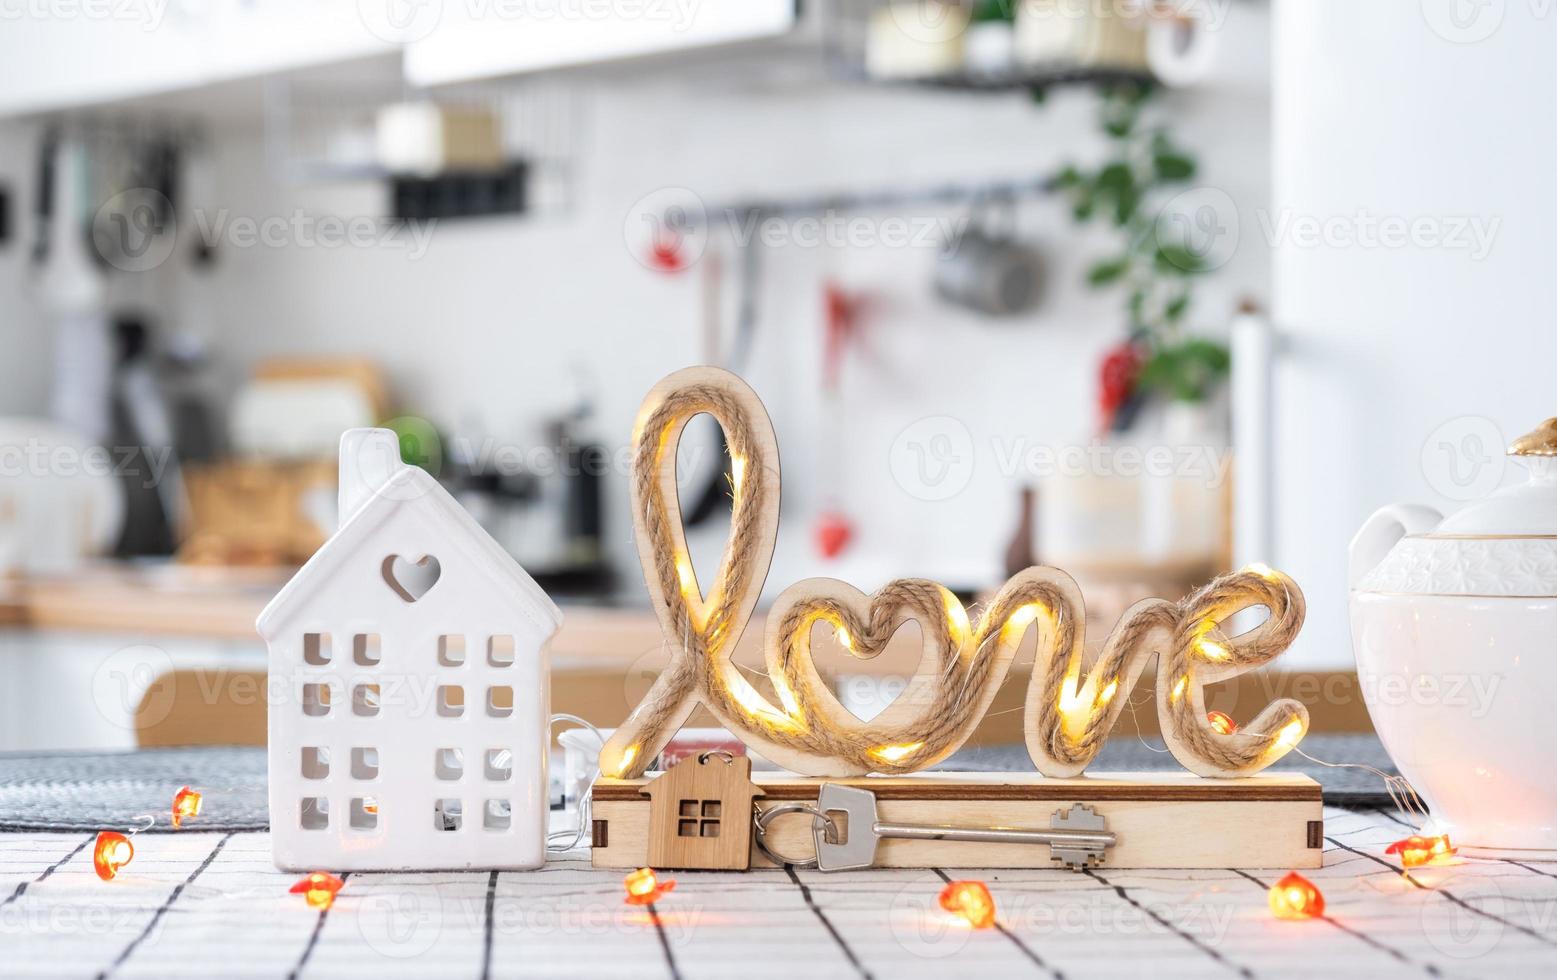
(1162, 820)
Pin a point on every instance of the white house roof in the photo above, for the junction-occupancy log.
(410, 486)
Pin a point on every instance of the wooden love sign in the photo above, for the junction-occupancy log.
(1068, 712)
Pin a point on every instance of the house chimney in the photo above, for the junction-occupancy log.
(369, 457)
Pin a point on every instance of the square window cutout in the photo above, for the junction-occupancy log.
(364, 700)
(316, 762)
(497, 815)
(316, 700)
(316, 649)
(451, 650)
(367, 649)
(449, 764)
(448, 814)
(500, 765)
(315, 813)
(364, 813)
(364, 763)
(500, 701)
(451, 700)
(500, 651)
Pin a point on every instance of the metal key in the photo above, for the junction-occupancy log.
(1077, 837)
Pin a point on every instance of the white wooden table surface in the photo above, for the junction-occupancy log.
(211, 904)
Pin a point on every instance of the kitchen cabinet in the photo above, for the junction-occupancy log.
(63, 54)
(486, 38)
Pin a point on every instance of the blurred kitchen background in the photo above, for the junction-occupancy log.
(1146, 290)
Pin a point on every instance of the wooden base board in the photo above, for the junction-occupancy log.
(1164, 820)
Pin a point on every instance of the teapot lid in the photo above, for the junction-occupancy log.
(1524, 510)
(1502, 545)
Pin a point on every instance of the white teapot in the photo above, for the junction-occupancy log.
(1454, 623)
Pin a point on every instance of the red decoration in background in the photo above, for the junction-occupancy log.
(112, 851)
(1221, 723)
(1120, 370)
(1295, 897)
(833, 533)
(645, 888)
(665, 253)
(318, 889)
(1417, 850)
(186, 804)
(971, 900)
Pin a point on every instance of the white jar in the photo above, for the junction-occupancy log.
(1454, 624)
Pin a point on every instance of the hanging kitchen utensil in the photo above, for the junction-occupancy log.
(985, 269)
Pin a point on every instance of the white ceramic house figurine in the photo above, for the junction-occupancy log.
(409, 686)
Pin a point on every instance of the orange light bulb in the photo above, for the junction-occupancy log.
(1295, 897)
(318, 889)
(644, 887)
(112, 851)
(186, 804)
(1417, 850)
(971, 900)
(1221, 723)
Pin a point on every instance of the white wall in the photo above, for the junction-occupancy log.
(1399, 352)
(483, 328)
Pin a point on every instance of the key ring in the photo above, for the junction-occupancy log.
(725, 755)
(818, 820)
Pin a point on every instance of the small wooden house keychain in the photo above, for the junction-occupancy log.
(700, 813)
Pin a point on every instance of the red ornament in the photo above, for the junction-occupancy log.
(833, 533)
(645, 888)
(1295, 897)
(186, 804)
(1120, 369)
(318, 889)
(971, 900)
(1417, 850)
(112, 851)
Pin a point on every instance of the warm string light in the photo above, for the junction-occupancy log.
(1417, 850)
(318, 889)
(645, 888)
(1295, 897)
(186, 805)
(111, 852)
(971, 900)
(1221, 723)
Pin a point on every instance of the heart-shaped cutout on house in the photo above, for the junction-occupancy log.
(411, 580)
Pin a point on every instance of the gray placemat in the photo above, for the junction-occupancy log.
(1342, 787)
(68, 791)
